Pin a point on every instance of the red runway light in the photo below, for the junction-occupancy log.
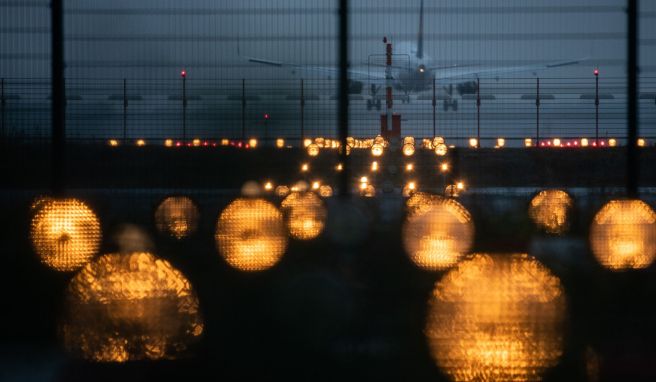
(596, 72)
(183, 73)
(267, 116)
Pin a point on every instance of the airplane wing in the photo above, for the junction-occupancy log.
(333, 72)
(456, 74)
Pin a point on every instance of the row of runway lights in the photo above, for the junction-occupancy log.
(134, 306)
(315, 145)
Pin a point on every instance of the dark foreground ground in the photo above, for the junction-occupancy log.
(326, 311)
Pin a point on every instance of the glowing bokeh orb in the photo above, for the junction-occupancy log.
(496, 318)
(408, 149)
(623, 235)
(550, 211)
(130, 307)
(325, 191)
(313, 150)
(437, 231)
(251, 234)
(282, 191)
(177, 216)
(305, 215)
(251, 189)
(65, 233)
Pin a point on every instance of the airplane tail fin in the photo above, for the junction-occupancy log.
(420, 37)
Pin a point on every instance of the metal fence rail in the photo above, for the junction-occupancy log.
(183, 109)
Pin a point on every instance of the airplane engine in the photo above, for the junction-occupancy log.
(469, 87)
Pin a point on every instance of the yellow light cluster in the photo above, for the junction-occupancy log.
(130, 307)
(623, 235)
(496, 318)
(251, 234)
(437, 232)
(550, 210)
(177, 216)
(305, 215)
(113, 143)
(140, 142)
(280, 143)
(528, 142)
(65, 233)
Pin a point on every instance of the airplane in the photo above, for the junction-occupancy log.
(418, 72)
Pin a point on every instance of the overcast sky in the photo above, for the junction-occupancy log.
(155, 38)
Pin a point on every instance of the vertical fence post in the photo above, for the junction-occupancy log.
(184, 106)
(2, 108)
(596, 74)
(343, 112)
(478, 112)
(537, 112)
(434, 109)
(125, 111)
(632, 160)
(243, 109)
(58, 98)
(302, 111)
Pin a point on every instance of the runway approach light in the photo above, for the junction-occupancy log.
(183, 73)
(444, 167)
(305, 167)
(501, 142)
(168, 143)
(584, 142)
(408, 149)
(268, 186)
(307, 142)
(316, 185)
(377, 150)
(280, 143)
(473, 142)
(557, 142)
(460, 186)
(642, 142)
(528, 142)
(140, 142)
(409, 167)
(113, 142)
(441, 150)
(596, 72)
(339, 167)
(374, 166)
(252, 143)
(612, 142)
(313, 149)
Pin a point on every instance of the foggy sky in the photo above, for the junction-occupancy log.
(155, 38)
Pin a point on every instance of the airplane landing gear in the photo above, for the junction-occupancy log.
(451, 104)
(374, 104)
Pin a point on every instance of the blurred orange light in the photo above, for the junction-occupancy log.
(65, 233)
(444, 167)
(251, 234)
(408, 149)
(623, 235)
(641, 142)
(409, 167)
(177, 216)
(130, 307)
(280, 143)
(313, 149)
(113, 142)
(497, 318)
(305, 167)
(473, 142)
(305, 215)
(612, 142)
(528, 142)
(140, 142)
(437, 231)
